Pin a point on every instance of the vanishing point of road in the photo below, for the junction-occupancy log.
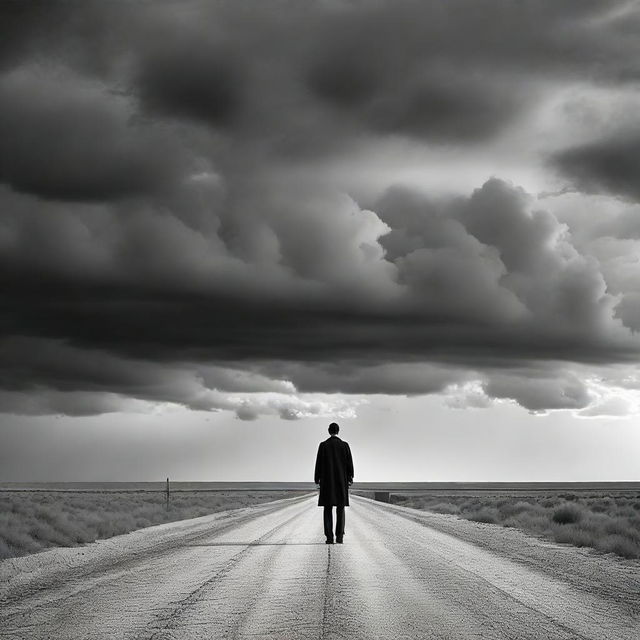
(265, 572)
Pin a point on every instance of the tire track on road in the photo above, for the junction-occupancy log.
(169, 616)
(113, 570)
(47, 601)
(549, 599)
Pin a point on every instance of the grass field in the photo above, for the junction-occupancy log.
(608, 522)
(31, 521)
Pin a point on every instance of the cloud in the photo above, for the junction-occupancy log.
(40, 376)
(615, 392)
(564, 390)
(609, 165)
(412, 299)
(353, 70)
(470, 395)
(438, 104)
(69, 138)
(628, 310)
(169, 235)
(611, 407)
(46, 401)
(610, 235)
(198, 80)
(494, 257)
(361, 377)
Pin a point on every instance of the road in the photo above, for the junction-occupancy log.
(265, 572)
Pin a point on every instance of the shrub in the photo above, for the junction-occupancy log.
(574, 536)
(567, 514)
(470, 505)
(617, 526)
(514, 508)
(619, 545)
(488, 515)
(599, 508)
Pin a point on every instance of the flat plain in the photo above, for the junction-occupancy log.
(38, 516)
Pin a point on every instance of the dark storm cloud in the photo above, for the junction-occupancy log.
(23, 23)
(195, 80)
(461, 71)
(439, 104)
(607, 166)
(539, 393)
(308, 78)
(166, 237)
(73, 378)
(67, 138)
(461, 304)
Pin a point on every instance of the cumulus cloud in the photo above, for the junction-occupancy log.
(496, 257)
(167, 236)
(470, 395)
(628, 310)
(412, 299)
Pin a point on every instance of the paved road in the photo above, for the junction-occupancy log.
(265, 572)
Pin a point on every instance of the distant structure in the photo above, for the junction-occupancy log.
(381, 496)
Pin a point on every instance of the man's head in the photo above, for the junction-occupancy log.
(334, 428)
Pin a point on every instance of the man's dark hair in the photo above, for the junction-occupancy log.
(334, 428)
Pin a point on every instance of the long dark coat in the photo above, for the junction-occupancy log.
(334, 471)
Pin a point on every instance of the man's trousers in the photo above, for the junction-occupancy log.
(328, 522)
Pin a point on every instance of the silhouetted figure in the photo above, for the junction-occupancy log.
(334, 474)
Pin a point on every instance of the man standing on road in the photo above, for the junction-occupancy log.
(334, 474)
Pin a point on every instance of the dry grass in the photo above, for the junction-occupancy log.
(31, 521)
(608, 523)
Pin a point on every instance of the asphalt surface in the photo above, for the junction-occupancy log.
(265, 572)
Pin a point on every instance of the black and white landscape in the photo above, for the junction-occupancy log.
(226, 224)
(259, 573)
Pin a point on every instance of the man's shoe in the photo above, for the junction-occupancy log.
(339, 540)
(329, 541)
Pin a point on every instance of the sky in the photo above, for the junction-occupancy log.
(224, 225)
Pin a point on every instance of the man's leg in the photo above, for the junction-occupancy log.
(328, 523)
(339, 522)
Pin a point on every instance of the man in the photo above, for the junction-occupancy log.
(334, 474)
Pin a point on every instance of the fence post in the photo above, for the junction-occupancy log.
(167, 494)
